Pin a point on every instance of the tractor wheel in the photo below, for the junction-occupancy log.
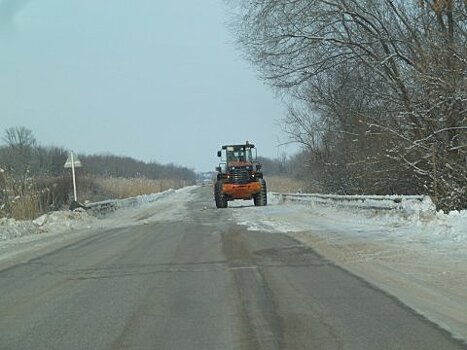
(221, 201)
(261, 198)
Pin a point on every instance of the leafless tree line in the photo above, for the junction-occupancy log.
(33, 176)
(109, 165)
(376, 90)
(21, 156)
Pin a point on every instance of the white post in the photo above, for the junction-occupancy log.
(74, 177)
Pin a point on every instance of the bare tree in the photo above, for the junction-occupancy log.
(377, 88)
(18, 155)
(19, 138)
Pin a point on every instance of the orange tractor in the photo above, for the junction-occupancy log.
(239, 176)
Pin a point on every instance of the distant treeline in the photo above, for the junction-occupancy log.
(119, 166)
(21, 156)
(293, 166)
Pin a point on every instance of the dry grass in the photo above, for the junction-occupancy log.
(38, 196)
(124, 188)
(19, 200)
(29, 198)
(284, 184)
(27, 207)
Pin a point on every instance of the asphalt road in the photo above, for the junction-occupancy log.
(199, 282)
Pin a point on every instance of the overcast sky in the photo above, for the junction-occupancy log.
(154, 80)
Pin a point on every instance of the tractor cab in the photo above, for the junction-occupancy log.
(238, 156)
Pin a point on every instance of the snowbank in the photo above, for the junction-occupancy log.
(51, 222)
(414, 218)
(405, 203)
(63, 221)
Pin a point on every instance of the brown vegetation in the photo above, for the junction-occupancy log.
(285, 184)
(41, 196)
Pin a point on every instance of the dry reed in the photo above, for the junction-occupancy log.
(284, 184)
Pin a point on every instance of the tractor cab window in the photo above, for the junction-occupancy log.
(249, 155)
(235, 156)
(241, 155)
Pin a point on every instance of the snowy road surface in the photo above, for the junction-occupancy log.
(179, 274)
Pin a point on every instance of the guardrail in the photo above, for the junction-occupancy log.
(390, 202)
(110, 205)
(102, 207)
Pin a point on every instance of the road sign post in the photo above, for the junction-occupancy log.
(73, 162)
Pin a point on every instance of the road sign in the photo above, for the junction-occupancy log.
(73, 162)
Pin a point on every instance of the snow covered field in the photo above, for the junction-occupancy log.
(419, 256)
